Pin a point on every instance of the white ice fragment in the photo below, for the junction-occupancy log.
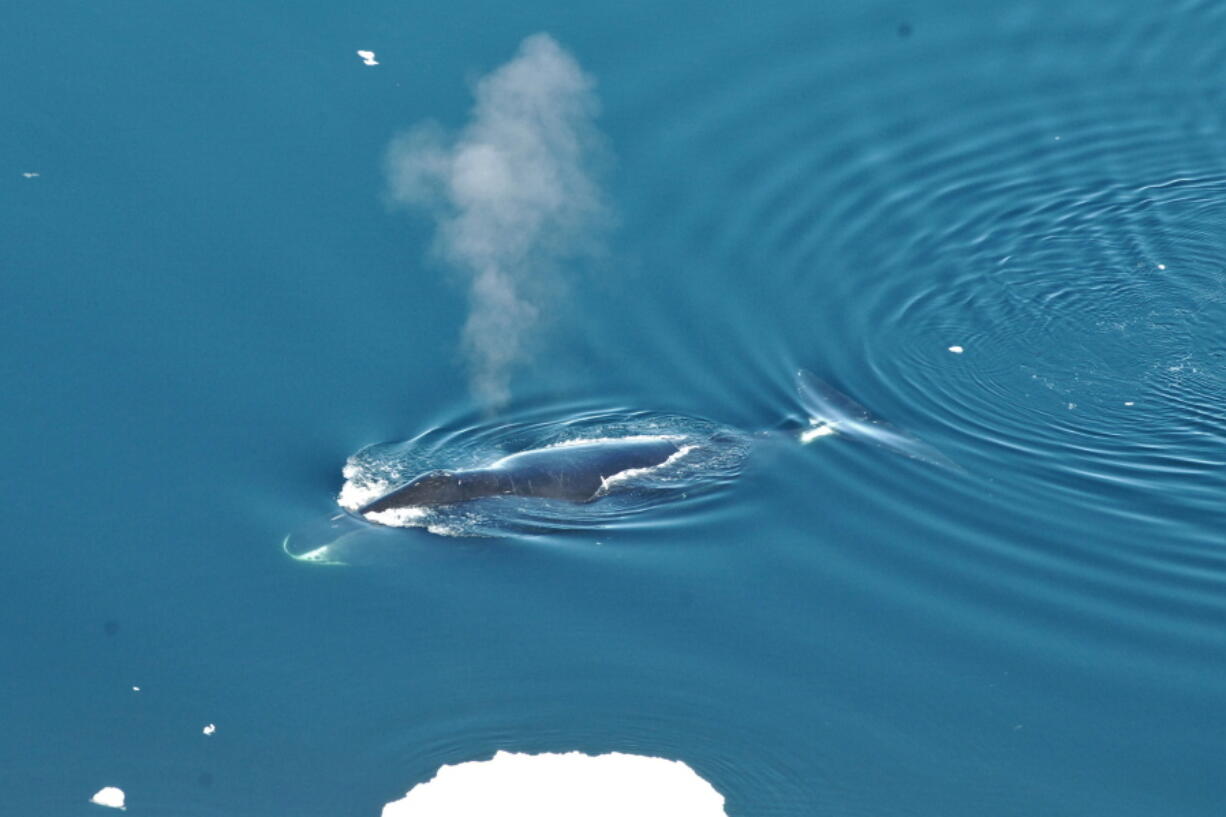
(109, 796)
(1129, 403)
(368, 57)
(29, 174)
(136, 689)
(957, 350)
(563, 785)
(1162, 266)
(210, 729)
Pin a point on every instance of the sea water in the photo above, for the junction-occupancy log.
(225, 273)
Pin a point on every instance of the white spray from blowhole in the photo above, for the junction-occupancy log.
(514, 198)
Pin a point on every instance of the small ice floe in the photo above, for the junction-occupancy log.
(561, 785)
(136, 689)
(109, 796)
(209, 729)
(30, 174)
(1129, 403)
(368, 57)
(1162, 266)
(957, 350)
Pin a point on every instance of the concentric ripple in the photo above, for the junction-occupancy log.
(709, 456)
(1027, 255)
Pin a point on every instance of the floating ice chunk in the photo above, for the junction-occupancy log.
(1162, 266)
(136, 689)
(209, 729)
(1129, 403)
(957, 350)
(563, 785)
(109, 796)
(368, 57)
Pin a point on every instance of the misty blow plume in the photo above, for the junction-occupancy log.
(514, 200)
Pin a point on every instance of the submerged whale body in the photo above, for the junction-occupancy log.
(576, 472)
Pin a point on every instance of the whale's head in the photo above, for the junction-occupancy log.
(431, 488)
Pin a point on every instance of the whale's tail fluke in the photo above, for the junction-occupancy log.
(318, 541)
(832, 413)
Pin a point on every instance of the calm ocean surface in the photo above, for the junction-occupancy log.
(208, 303)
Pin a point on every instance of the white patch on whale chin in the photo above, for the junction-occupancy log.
(632, 473)
(819, 430)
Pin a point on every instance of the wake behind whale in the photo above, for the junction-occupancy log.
(589, 471)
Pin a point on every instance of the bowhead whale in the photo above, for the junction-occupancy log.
(584, 471)
(580, 471)
(576, 472)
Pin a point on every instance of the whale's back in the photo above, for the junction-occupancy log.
(577, 470)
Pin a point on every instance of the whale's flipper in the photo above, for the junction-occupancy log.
(833, 413)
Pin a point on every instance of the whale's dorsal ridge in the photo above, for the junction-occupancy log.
(578, 471)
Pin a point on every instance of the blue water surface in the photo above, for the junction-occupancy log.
(208, 305)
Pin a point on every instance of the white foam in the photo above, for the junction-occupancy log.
(634, 438)
(563, 785)
(398, 517)
(109, 796)
(368, 57)
(441, 529)
(355, 492)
